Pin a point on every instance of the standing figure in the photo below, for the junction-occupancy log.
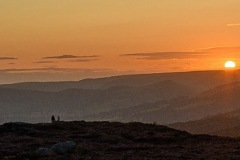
(53, 119)
(58, 119)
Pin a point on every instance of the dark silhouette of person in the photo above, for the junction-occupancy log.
(58, 119)
(53, 119)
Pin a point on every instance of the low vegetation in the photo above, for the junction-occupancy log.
(105, 140)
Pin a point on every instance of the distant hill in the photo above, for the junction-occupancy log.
(221, 99)
(229, 132)
(33, 106)
(105, 140)
(226, 124)
(200, 80)
(163, 98)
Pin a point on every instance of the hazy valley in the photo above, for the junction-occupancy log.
(163, 98)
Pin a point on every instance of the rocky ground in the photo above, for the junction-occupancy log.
(104, 140)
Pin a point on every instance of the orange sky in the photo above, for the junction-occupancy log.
(44, 40)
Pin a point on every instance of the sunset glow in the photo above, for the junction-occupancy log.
(230, 64)
(71, 40)
(119, 79)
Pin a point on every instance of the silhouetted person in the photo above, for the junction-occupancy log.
(58, 119)
(53, 119)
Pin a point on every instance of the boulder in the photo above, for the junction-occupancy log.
(63, 147)
(43, 151)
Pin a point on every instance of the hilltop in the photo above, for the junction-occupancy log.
(105, 140)
(200, 80)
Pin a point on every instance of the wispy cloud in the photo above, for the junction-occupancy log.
(70, 57)
(8, 58)
(53, 69)
(44, 62)
(221, 50)
(211, 52)
(84, 60)
(166, 55)
(9, 70)
(60, 57)
(233, 24)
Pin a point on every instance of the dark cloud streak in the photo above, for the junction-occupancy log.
(45, 62)
(166, 55)
(52, 69)
(8, 58)
(220, 49)
(85, 60)
(70, 57)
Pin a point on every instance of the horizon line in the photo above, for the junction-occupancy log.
(121, 75)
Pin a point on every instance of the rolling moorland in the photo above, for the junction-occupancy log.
(165, 98)
(104, 140)
(226, 124)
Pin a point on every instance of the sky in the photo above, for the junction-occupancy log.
(59, 40)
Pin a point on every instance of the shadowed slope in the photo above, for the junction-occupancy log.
(227, 124)
(106, 140)
(222, 99)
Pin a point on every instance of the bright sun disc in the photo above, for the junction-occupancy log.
(230, 64)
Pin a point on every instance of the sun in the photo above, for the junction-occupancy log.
(230, 65)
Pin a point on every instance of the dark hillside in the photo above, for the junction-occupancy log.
(105, 140)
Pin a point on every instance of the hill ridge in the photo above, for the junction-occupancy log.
(111, 140)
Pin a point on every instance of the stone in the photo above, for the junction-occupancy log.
(43, 151)
(64, 147)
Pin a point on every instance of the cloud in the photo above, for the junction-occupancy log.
(53, 69)
(222, 52)
(233, 24)
(10, 70)
(70, 57)
(211, 52)
(166, 55)
(45, 62)
(60, 57)
(84, 60)
(220, 49)
(7, 58)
